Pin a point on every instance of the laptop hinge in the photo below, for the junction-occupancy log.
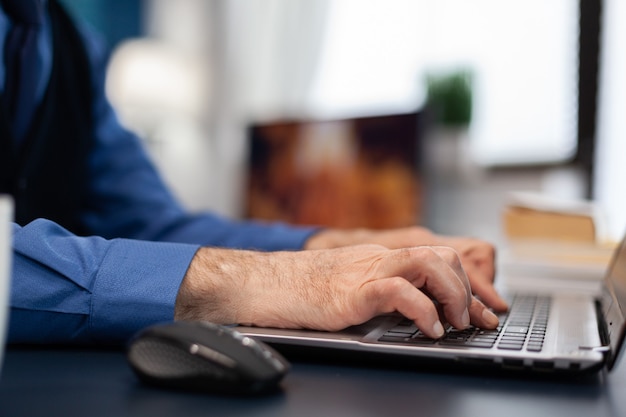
(605, 338)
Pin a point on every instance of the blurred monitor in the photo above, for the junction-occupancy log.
(353, 172)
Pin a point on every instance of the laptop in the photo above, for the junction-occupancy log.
(559, 333)
(6, 215)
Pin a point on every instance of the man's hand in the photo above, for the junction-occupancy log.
(477, 256)
(330, 289)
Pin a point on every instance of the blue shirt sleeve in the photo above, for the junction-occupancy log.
(103, 288)
(89, 289)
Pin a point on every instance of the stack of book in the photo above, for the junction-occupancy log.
(552, 243)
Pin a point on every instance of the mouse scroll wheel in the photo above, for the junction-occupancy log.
(212, 354)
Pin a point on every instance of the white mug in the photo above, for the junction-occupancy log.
(6, 215)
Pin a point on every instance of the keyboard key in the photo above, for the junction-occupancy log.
(393, 339)
(421, 340)
(510, 346)
(478, 344)
(516, 329)
(484, 339)
(407, 329)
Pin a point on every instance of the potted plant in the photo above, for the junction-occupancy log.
(449, 102)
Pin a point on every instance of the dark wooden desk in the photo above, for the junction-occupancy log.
(70, 382)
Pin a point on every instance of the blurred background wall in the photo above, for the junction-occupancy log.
(189, 76)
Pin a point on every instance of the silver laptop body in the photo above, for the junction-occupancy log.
(581, 333)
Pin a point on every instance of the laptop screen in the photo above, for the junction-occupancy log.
(352, 172)
(614, 302)
(6, 214)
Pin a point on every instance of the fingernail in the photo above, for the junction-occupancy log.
(465, 319)
(490, 318)
(438, 329)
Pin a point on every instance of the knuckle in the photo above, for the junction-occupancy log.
(404, 254)
(450, 256)
(432, 253)
(426, 253)
(396, 285)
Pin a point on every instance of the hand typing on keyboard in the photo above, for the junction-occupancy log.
(331, 289)
(477, 256)
(522, 327)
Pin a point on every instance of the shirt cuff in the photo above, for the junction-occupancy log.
(136, 286)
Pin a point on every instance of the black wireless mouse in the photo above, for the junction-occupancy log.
(202, 356)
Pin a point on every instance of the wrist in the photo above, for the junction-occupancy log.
(225, 286)
(208, 288)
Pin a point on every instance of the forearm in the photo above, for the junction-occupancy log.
(328, 289)
(276, 289)
(334, 238)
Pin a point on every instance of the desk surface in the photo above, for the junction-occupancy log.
(95, 383)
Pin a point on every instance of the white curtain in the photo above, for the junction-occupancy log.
(258, 59)
(610, 163)
(265, 54)
(159, 85)
(522, 54)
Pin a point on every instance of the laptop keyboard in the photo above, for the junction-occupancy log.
(522, 327)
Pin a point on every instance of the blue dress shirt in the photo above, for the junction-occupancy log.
(126, 276)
